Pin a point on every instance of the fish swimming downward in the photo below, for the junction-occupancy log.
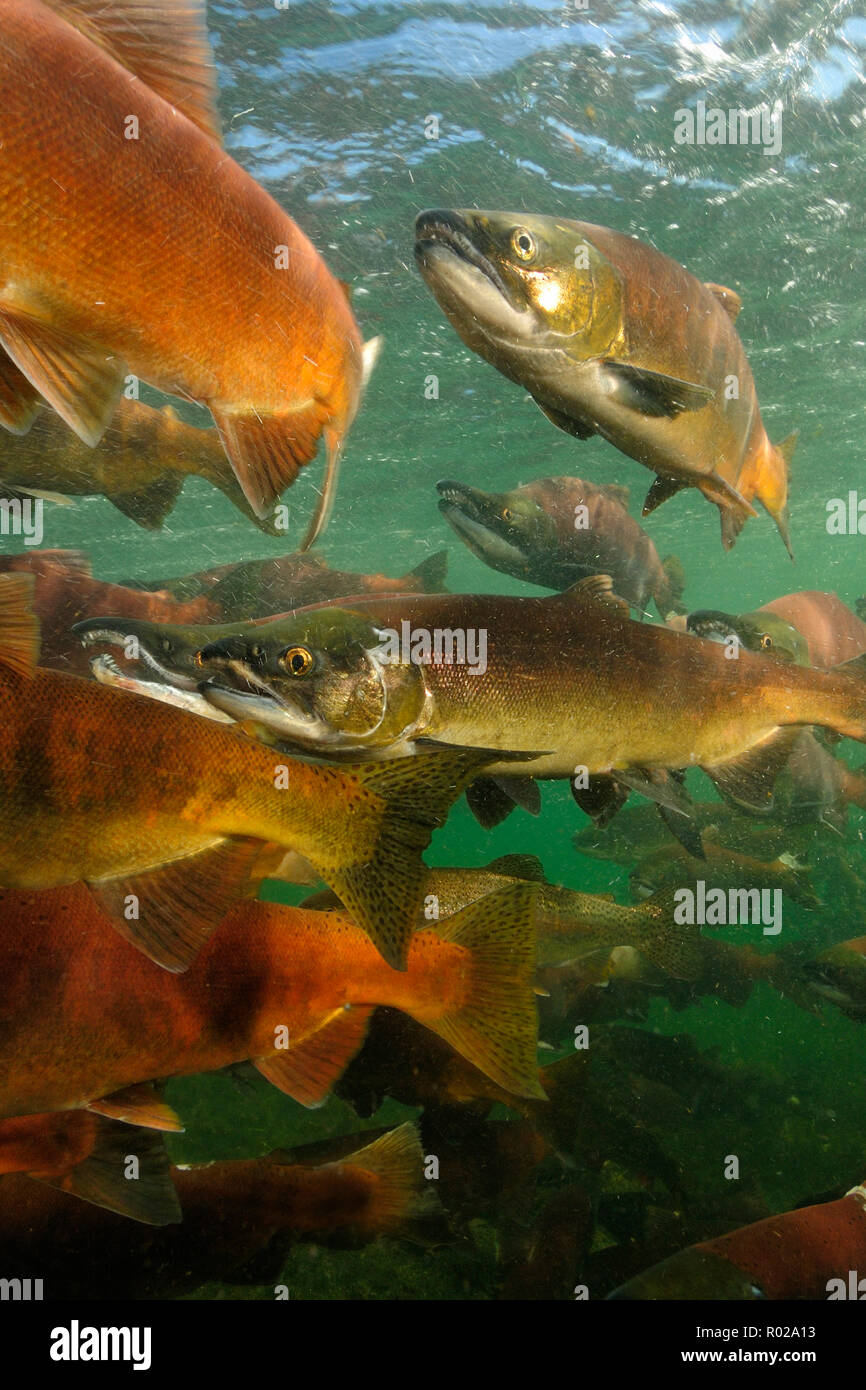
(243, 316)
(611, 337)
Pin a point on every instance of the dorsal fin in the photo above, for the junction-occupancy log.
(598, 587)
(165, 45)
(617, 492)
(729, 299)
(19, 626)
(527, 866)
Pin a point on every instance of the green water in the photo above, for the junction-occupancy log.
(552, 109)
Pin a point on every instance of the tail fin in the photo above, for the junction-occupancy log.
(670, 600)
(384, 893)
(401, 1194)
(496, 1026)
(108, 1177)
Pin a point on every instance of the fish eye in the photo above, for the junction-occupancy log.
(507, 514)
(766, 641)
(298, 661)
(523, 244)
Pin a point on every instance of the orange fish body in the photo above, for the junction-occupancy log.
(288, 989)
(131, 242)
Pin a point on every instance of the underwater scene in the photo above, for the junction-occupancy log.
(432, 650)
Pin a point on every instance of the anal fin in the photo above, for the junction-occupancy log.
(308, 1071)
(268, 451)
(149, 506)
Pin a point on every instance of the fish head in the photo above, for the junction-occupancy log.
(321, 680)
(772, 635)
(515, 286)
(167, 651)
(765, 633)
(504, 529)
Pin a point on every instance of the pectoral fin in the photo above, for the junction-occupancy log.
(653, 393)
(579, 428)
(83, 382)
(138, 1105)
(20, 403)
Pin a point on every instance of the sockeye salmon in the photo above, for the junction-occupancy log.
(611, 337)
(108, 130)
(801, 1254)
(265, 588)
(569, 679)
(139, 464)
(290, 990)
(556, 531)
(833, 633)
(66, 593)
(97, 785)
(234, 1213)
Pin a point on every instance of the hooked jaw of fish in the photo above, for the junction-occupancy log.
(485, 524)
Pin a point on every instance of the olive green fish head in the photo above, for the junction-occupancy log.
(757, 632)
(322, 680)
(507, 530)
(513, 284)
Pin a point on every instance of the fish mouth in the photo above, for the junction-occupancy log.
(99, 632)
(106, 670)
(468, 286)
(712, 625)
(443, 233)
(468, 511)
